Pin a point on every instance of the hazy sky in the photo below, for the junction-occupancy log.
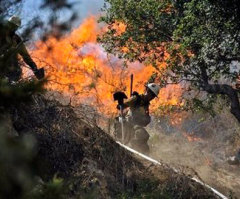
(83, 7)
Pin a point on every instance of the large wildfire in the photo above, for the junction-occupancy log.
(78, 66)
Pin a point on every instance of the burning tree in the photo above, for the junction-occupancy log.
(199, 41)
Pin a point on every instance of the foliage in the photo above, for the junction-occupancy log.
(143, 28)
(22, 91)
(199, 40)
(18, 169)
(146, 189)
(16, 172)
(9, 7)
(50, 190)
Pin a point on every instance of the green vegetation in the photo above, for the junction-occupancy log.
(199, 41)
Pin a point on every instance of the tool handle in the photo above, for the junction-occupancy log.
(131, 85)
(122, 123)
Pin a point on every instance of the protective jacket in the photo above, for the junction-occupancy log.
(139, 110)
(11, 46)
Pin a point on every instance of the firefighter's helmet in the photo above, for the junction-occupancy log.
(15, 20)
(155, 88)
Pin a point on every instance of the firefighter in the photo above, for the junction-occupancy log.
(138, 117)
(11, 46)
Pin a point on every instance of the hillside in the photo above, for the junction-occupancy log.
(91, 163)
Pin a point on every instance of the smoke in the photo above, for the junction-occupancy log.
(201, 143)
(90, 48)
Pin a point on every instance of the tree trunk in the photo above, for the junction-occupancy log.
(230, 92)
(223, 89)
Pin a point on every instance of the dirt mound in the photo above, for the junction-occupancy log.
(91, 162)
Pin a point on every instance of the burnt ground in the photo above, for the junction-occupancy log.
(217, 139)
(92, 164)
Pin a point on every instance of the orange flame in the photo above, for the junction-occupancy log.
(119, 27)
(77, 66)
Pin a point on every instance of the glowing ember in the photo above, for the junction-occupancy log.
(191, 137)
(77, 66)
